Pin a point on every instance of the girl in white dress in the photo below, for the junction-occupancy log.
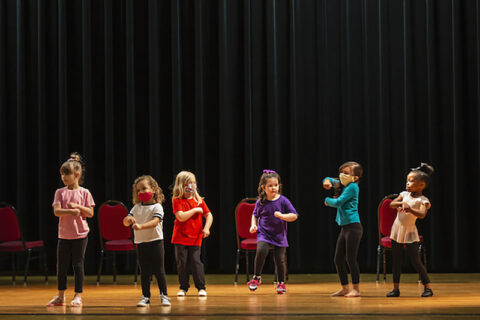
(410, 204)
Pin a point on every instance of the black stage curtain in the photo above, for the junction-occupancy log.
(226, 88)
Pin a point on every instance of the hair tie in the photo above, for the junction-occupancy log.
(71, 159)
(268, 171)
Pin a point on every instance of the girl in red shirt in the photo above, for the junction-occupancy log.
(188, 231)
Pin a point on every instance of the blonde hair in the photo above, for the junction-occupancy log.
(74, 165)
(157, 191)
(182, 179)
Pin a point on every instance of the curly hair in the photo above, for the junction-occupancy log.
(157, 191)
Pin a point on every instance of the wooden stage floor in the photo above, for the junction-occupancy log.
(457, 296)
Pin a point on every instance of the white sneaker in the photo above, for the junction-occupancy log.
(181, 293)
(202, 293)
(165, 300)
(144, 302)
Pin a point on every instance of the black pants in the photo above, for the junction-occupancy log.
(278, 258)
(71, 251)
(413, 254)
(346, 252)
(188, 259)
(151, 256)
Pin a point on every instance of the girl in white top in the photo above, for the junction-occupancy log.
(410, 205)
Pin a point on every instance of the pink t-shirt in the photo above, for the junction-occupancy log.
(70, 227)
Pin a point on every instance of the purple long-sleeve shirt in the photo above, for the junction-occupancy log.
(270, 228)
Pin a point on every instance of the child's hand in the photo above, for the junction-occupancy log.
(327, 184)
(137, 226)
(278, 214)
(325, 202)
(406, 207)
(130, 220)
(75, 212)
(253, 229)
(73, 205)
(206, 232)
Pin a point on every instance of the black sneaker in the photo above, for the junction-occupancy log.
(427, 293)
(393, 293)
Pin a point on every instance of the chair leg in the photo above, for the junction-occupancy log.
(237, 266)
(114, 266)
(27, 264)
(246, 265)
(379, 248)
(384, 253)
(45, 267)
(14, 257)
(100, 266)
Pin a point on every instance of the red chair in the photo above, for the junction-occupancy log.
(12, 240)
(246, 241)
(114, 236)
(386, 217)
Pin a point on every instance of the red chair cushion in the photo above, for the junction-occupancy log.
(119, 245)
(244, 220)
(9, 230)
(387, 217)
(249, 244)
(15, 246)
(111, 222)
(386, 242)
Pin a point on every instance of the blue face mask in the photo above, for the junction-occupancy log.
(190, 188)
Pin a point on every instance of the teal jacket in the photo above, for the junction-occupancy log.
(346, 204)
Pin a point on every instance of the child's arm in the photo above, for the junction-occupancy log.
(419, 213)
(185, 215)
(253, 225)
(128, 221)
(346, 195)
(86, 211)
(59, 212)
(208, 224)
(289, 217)
(397, 202)
(148, 225)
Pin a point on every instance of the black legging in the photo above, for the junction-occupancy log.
(413, 254)
(346, 252)
(71, 251)
(151, 256)
(278, 259)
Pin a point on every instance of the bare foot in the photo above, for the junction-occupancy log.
(352, 294)
(339, 293)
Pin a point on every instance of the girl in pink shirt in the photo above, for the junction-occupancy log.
(72, 205)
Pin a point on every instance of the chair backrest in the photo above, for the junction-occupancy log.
(9, 228)
(110, 221)
(243, 219)
(386, 216)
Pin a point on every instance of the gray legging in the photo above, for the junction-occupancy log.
(278, 258)
(346, 252)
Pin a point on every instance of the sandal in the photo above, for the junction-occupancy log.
(76, 302)
(56, 301)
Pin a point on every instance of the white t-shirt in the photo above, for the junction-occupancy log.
(404, 229)
(144, 213)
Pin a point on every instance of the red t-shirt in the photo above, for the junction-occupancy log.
(189, 232)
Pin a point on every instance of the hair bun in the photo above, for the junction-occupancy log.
(425, 167)
(76, 156)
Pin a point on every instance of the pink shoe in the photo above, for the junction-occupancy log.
(56, 302)
(254, 283)
(281, 288)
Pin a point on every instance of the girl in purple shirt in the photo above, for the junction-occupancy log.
(270, 216)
